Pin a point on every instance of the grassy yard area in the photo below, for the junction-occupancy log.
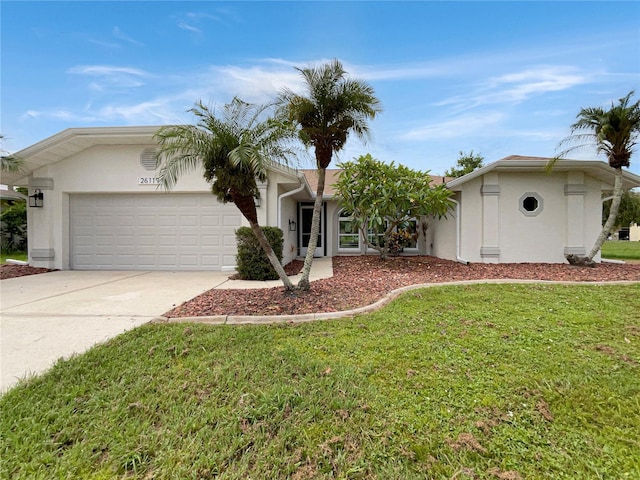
(14, 255)
(482, 382)
(624, 250)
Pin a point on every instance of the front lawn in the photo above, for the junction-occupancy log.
(22, 256)
(470, 382)
(624, 250)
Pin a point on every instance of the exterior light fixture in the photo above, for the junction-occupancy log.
(258, 201)
(36, 200)
(292, 225)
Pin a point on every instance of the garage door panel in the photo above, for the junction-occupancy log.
(158, 231)
(210, 241)
(231, 221)
(210, 221)
(188, 220)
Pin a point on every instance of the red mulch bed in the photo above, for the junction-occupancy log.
(362, 280)
(12, 271)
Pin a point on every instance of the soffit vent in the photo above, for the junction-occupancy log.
(148, 159)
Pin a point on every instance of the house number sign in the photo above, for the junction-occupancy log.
(148, 181)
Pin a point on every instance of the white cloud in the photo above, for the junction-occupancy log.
(516, 87)
(119, 34)
(460, 126)
(189, 28)
(110, 77)
(106, 70)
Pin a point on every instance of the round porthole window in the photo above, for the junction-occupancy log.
(531, 204)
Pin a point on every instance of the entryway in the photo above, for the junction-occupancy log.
(305, 215)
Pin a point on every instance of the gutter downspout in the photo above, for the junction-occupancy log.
(458, 233)
(288, 194)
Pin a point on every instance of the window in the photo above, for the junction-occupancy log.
(531, 204)
(348, 235)
(412, 227)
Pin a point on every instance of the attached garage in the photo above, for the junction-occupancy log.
(152, 231)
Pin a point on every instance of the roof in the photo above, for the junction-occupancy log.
(311, 177)
(517, 163)
(72, 141)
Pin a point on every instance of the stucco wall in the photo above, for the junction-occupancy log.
(496, 228)
(112, 169)
(442, 233)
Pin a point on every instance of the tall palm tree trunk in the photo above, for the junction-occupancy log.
(613, 213)
(247, 206)
(273, 259)
(304, 284)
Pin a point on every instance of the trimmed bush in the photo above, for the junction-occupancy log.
(252, 263)
(13, 225)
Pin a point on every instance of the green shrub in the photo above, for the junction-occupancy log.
(14, 227)
(398, 241)
(252, 263)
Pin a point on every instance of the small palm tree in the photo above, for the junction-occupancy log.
(9, 163)
(613, 132)
(333, 107)
(234, 149)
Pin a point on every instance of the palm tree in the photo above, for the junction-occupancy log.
(613, 132)
(234, 149)
(333, 107)
(9, 163)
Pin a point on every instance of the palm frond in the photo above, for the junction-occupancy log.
(613, 132)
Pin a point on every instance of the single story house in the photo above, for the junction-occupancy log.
(99, 206)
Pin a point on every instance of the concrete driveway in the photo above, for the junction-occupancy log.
(57, 314)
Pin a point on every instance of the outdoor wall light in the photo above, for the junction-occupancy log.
(257, 201)
(36, 200)
(292, 225)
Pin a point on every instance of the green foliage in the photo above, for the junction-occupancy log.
(628, 212)
(496, 381)
(14, 227)
(9, 163)
(613, 132)
(252, 261)
(467, 163)
(332, 107)
(384, 197)
(398, 241)
(234, 147)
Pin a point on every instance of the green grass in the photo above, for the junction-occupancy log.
(623, 250)
(14, 255)
(485, 381)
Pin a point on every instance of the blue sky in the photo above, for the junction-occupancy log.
(498, 78)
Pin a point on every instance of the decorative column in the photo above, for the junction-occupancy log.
(574, 191)
(490, 192)
(39, 229)
(262, 210)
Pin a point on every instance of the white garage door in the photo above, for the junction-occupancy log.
(152, 232)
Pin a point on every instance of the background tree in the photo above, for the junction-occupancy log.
(234, 148)
(467, 163)
(628, 212)
(332, 107)
(384, 197)
(613, 132)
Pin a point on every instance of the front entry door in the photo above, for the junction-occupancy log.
(306, 215)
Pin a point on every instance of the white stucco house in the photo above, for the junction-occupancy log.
(101, 208)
